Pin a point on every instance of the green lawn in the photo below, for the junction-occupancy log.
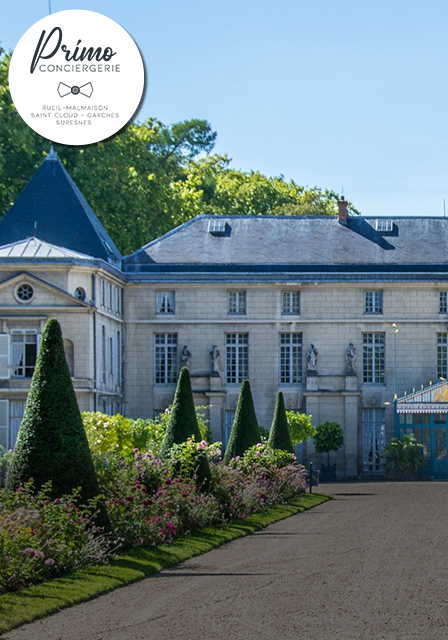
(49, 597)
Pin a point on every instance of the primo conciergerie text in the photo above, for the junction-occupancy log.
(48, 48)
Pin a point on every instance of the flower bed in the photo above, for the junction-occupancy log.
(148, 503)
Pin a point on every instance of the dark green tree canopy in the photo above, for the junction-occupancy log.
(52, 443)
(245, 432)
(329, 437)
(279, 436)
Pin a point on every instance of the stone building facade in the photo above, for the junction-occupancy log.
(342, 313)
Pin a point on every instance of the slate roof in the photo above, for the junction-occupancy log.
(52, 207)
(288, 248)
(34, 248)
(298, 240)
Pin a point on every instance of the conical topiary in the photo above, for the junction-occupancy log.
(279, 436)
(52, 443)
(183, 422)
(245, 432)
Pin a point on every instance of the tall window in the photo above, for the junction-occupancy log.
(373, 439)
(237, 357)
(443, 301)
(165, 358)
(373, 349)
(119, 359)
(103, 353)
(23, 353)
(290, 358)
(229, 417)
(103, 292)
(373, 302)
(165, 302)
(290, 303)
(111, 356)
(442, 352)
(17, 409)
(236, 303)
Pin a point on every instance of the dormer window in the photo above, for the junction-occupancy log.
(217, 227)
(383, 225)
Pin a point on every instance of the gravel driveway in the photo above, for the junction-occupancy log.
(372, 563)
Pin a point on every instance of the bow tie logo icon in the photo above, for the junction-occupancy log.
(84, 90)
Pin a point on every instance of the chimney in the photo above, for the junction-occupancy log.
(342, 206)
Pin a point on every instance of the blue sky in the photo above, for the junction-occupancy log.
(332, 93)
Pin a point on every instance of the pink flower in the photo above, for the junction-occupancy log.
(49, 561)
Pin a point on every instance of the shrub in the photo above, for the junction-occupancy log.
(245, 431)
(42, 538)
(116, 434)
(262, 455)
(52, 444)
(300, 426)
(183, 423)
(404, 457)
(189, 460)
(279, 437)
(5, 461)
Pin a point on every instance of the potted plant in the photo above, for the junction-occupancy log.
(403, 457)
(329, 437)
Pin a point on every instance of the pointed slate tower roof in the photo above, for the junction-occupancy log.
(52, 208)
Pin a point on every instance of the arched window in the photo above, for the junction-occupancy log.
(80, 294)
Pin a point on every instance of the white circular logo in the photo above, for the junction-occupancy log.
(76, 77)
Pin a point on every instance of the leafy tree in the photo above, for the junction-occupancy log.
(279, 436)
(329, 437)
(150, 177)
(183, 423)
(127, 179)
(212, 187)
(245, 431)
(21, 149)
(300, 427)
(52, 444)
